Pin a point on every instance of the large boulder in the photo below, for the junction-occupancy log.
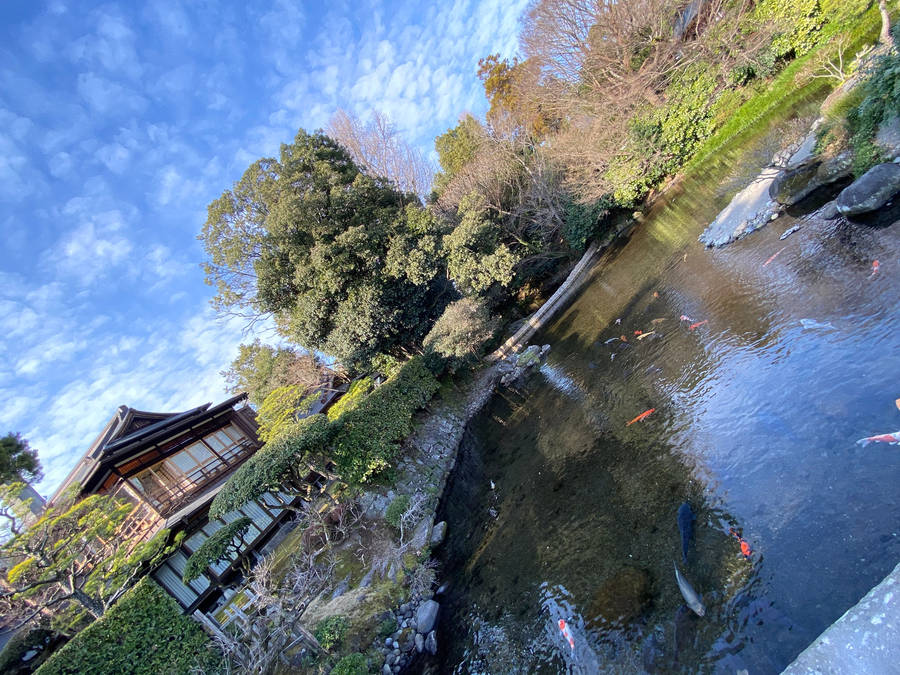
(887, 137)
(871, 191)
(426, 615)
(799, 181)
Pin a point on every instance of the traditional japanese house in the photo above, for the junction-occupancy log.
(170, 466)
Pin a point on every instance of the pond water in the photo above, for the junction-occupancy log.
(560, 510)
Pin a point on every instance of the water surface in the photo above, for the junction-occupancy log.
(756, 414)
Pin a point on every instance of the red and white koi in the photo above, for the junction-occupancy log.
(685, 317)
(875, 267)
(644, 415)
(564, 628)
(890, 439)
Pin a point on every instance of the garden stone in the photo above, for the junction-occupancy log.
(438, 533)
(420, 642)
(829, 211)
(421, 535)
(386, 670)
(872, 190)
(431, 643)
(426, 616)
(396, 645)
(388, 641)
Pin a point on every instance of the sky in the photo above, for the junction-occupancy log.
(120, 122)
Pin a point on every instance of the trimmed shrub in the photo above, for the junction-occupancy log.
(275, 465)
(220, 546)
(331, 631)
(461, 332)
(357, 391)
(352, 664)
(367, 437)
(145, 633)
(278, 412)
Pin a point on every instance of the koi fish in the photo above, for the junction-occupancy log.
(774, 255)
(788, 232)
(698, 324)
(745, 547)
(690, 596)
(606, 342)
(655, 294)
(618, 321)
(897, 403)
(875, 267)
(648, 334)
(890, 439)
(659, 320)
(640, 417)
(685, 317)
(686, 528)
(623, 338)
(638, 332)
(567, 633)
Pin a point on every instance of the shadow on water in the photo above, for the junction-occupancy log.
(764, 362)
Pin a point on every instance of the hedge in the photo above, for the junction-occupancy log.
(367, 437)
(144, 633)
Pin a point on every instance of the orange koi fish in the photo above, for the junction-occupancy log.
(897, 403)
(774, 255)
(638, 332)
(623, 338)
(698, 324)
(745, 547)
(890, 439)
(567, 634)
(640, 417)
(655, 294)
(875, 267)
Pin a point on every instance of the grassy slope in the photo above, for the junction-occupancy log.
(852, 21)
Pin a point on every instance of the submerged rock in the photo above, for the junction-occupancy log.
(438, 533)
(623, 598)
(871, 191)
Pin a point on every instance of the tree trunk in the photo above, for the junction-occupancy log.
(86, 601)
(885, 37)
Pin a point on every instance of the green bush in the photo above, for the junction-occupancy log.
(329, 632)
(581, 222)
(145, 633)
(396, 510)
(352, 664)
(881, 92)
(387, 627)
(278, 412)
(219, 547)
(357, 391)
(461, 332)
(366, 438)
(276, 464)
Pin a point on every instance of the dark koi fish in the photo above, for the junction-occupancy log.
(686, 528)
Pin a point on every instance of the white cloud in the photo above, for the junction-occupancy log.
(107, 97)
(114, 156)
(111, 45)
(94, 247)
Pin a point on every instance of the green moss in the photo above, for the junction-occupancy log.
(352, 664)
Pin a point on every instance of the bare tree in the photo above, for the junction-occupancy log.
(379, 149)
(271, 626)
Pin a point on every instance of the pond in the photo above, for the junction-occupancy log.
(763, 362)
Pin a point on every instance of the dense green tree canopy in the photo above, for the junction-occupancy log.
(18, 461)
(307, 237)
(457, 147)
(260, 369)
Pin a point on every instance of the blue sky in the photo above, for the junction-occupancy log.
(120, 122)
